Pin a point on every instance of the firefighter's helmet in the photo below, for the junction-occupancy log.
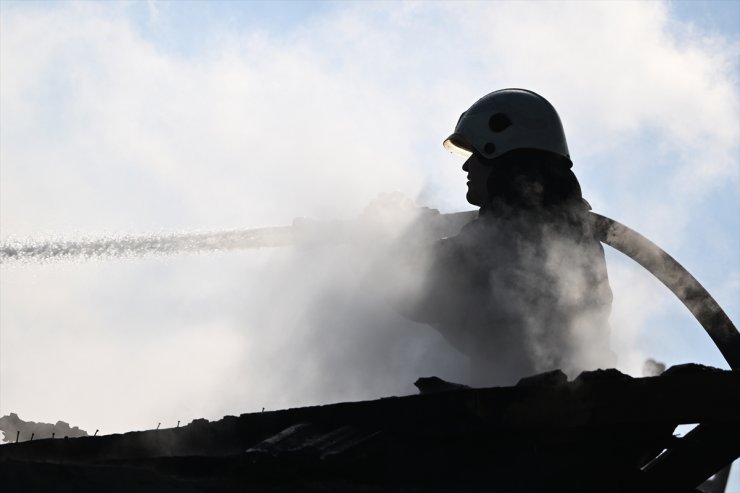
(505, 120)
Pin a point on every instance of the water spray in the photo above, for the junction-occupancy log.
(127, 247)
(302, 231)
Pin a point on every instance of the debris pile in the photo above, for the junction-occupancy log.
(599, 432)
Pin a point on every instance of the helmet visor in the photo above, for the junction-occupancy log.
(457, 144)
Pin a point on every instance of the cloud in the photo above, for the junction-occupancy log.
(628, 79)
(139, 139)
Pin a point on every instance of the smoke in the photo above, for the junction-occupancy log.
(652, 368)
(334, 311)
(109, 131)
(519, 291)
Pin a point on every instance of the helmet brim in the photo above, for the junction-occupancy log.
(457, 144)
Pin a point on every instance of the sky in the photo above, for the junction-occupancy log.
(123, 118)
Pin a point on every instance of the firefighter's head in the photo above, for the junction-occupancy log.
(515, 146)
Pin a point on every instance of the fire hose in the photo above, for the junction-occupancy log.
(675, 277)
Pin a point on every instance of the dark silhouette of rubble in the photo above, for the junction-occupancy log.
(599, 432)
(12, 426)
(430, 385)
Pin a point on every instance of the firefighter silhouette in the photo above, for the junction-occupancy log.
(523, 288)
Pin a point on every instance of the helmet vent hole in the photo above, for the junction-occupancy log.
(499, 122)
(490, 148)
